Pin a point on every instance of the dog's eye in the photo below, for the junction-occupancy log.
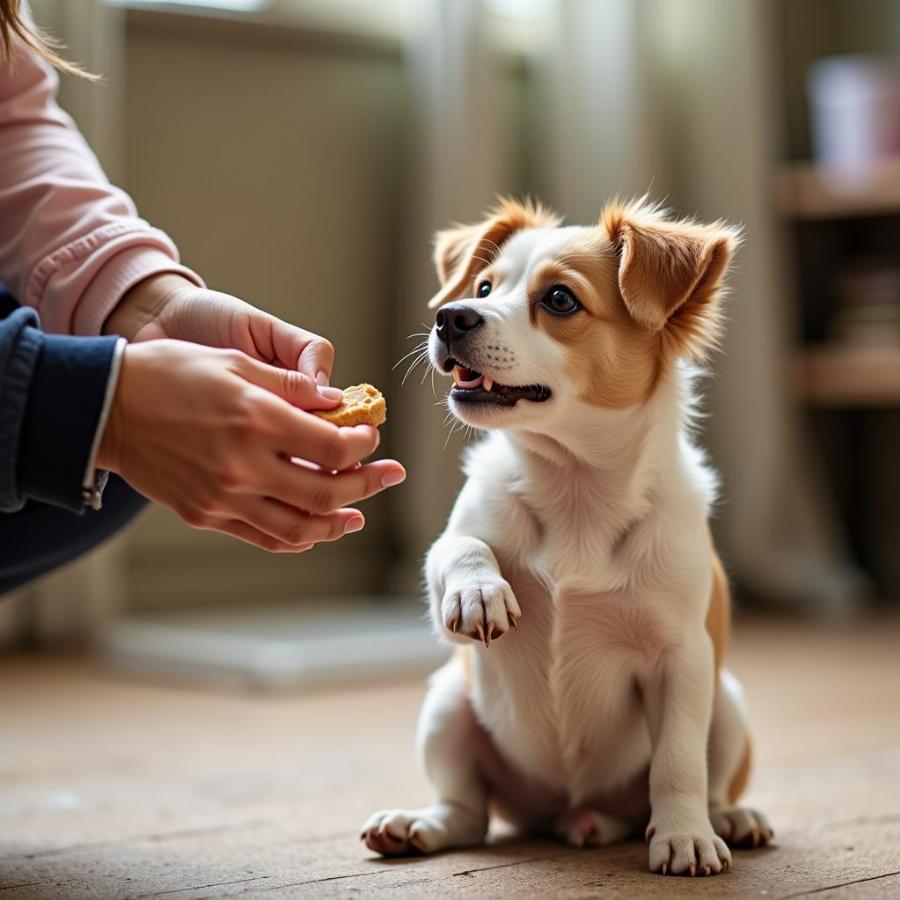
(483, 289)
(560, 301)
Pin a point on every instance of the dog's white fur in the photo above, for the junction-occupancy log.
(585, 528)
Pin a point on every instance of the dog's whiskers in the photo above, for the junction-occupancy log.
(487, 262)
(423, 355)
(422, 345)
(454, 427)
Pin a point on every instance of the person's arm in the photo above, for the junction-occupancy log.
(71, 244)
(55, 391)
(73, 247)
(212, 434)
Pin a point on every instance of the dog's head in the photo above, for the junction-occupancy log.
(535, 320)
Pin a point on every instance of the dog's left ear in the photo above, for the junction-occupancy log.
(456, 256)
(461, 252)
(670, 273)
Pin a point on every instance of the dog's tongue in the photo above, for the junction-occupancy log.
(466, 378)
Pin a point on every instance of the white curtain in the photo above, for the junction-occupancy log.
(676, 97)
(599, 131)
(68, 605)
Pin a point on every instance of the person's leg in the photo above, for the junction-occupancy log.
(40, 538)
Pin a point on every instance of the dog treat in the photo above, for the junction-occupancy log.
(362, 405)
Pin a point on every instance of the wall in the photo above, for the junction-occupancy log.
(275, 165)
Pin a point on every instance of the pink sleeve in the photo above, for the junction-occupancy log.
(71, 244)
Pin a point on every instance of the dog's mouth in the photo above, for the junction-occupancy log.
(470, 386)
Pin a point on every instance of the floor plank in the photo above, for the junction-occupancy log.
(117, 789)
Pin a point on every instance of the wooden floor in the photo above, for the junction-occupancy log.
(117, 789)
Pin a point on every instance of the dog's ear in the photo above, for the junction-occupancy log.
(454, 248)
(461, 252)
(671, 273)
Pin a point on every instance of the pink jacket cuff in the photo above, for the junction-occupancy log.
(98, 269)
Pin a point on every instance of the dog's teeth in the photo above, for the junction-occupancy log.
(487, 382)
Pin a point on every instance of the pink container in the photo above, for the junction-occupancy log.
(855, 111)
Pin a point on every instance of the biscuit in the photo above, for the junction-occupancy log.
(362, 405)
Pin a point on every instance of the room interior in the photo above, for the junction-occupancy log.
(301, 153)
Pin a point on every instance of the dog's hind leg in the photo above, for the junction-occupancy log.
(447, 750)
(729, 769)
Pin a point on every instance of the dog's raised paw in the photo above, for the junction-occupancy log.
(741, 826)
(687, 854)
(483, 610)
(397, 832)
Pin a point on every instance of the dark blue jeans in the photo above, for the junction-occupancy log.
(40, 537)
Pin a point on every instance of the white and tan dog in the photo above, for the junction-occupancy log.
(588, 697)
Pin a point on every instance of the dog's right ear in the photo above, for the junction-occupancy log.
(671, 273)
(460, 253)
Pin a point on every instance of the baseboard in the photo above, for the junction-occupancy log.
(277, 647)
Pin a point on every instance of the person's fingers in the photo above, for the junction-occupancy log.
(295, 527)
(296, 433)
(296, 388)
(317, 358)
(296, 348)
(322, 493)
(250, 535)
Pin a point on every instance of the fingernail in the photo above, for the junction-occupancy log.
(330, 393)
(321, 378)
(395, 476)
(354, 524)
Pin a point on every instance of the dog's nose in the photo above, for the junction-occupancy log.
(456, 320)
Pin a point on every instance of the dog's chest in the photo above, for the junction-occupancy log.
(560, 694)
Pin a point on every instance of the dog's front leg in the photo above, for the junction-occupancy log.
(678, 702)
(469, 597)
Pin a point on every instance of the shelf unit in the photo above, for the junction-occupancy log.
(847, 376)
(841, 249)
(807, 191)
(834, 375)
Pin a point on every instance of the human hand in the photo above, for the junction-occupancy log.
(212, 433)
(168, 305)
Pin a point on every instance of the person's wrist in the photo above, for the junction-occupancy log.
(146, 302)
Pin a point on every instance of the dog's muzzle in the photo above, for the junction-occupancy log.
(455, 322)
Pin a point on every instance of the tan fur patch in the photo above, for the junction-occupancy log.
(614, 361)
(718, 625)
(741, 776)
(718, 616)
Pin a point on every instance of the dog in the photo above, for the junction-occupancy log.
(587, 697)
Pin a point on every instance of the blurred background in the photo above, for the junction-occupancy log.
(302, 152)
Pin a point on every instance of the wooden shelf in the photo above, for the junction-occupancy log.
(847, 376)
(811, 191)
